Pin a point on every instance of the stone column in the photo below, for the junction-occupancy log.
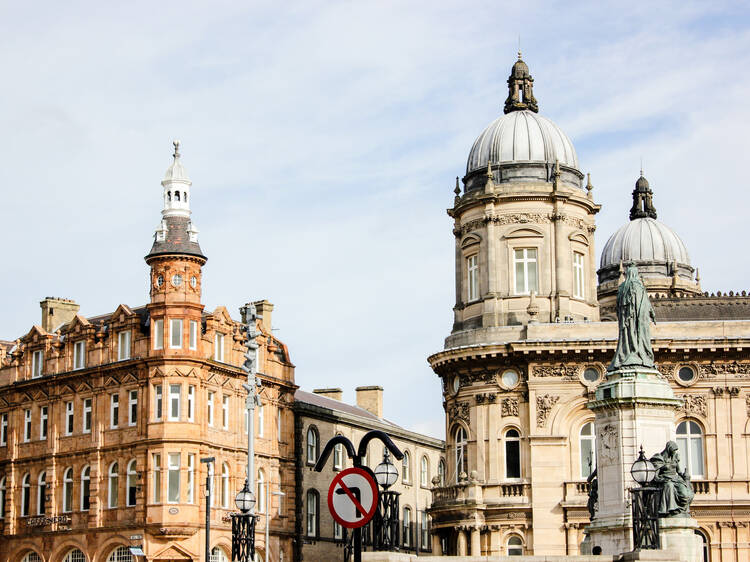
(437, 547)
(461, 542)
(494, 541)
(476, 543)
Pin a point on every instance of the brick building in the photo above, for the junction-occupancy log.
(104, 419)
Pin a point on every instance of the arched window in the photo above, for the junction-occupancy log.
(132, 483)
(312, 445)
(704, 546)
(424, 476)
(261, 491)
(406, 467)
(169, 195)
(120, 554)
(690, 443)
(41, 493)
(225, 486)
(85, 488)
(114, 481)
(461, 461)
(312, 513)
(441, 472)
(512, 454)
(25, 494)
(74, 555)
(587, 444)
(32, 557)
(68, 490)
(218, 555)
(2, 497)
(176, 195)
(515, 546)
(407, 527)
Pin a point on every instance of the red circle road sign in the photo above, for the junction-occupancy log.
(353, 497)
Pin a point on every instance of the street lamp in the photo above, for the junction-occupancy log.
(385, 524)
(245, 499)
(645, 500)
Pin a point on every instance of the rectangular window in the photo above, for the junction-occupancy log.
(132, 407)
(524, 265)
(157, 477)
(219, 347)
(43, 423)
(158, 335)
(79, 355)
(4, 429)
(190, 478)
(37, 364)
(578, 274)
(338, 531)
(175, 333)
(123, 346)
(114, 410)
(69, 418)
(193, 343)
(175, 390)
(173, 478)
(158, 401)
(472, 278)
(210, 409)
(225, 412)
(191, 403)
(26, 426)
(424, 530)
(87, 415)
(260, 420)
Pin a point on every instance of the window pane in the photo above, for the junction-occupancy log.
(173, 483)
(532, 275)
(682, 445)
(520, 284)
(696, 456)
(512, 459)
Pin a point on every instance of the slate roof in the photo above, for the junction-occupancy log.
(333, 404)
(177, 239)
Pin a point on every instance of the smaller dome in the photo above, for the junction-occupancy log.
(641, 183)
(644, 240)
(176, 171)
(520, 70)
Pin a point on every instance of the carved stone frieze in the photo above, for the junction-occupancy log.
(544, 406)
(694, 404)
(567, 372)
(736, 368)
(608, 439)
(509, 407)
(459, 411)
(508, 218)
(488, 398)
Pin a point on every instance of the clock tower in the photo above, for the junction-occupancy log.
(176, 261)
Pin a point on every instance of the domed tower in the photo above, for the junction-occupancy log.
(658, 252)
(524, 223)
(176, 260)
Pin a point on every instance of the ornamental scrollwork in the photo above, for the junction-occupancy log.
(544, 406)
(711, 370)
(608, 439)
(509, 407)
(459, 411)
(694, 404)
(568, 372)
(510, 218)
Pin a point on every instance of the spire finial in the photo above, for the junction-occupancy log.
(176, 145)
(641, 166)
(519, 46)
(589, 186)
(457, 191)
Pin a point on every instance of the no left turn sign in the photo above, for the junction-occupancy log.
(353, 497)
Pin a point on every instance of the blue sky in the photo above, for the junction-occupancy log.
(323, 139)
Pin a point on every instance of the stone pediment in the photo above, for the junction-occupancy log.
(83, 387)
(111, 381)
(35, 335)
(174, 552)
(122, 313)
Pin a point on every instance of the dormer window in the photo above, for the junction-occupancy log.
(219, 347)
(79, 355)
(37, 362)
(123, 345)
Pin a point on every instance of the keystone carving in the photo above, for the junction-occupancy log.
(544, 407)
(695, 404)
(459, 411)
(509, 407)
(567, 372)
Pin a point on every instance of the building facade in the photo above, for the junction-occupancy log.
(104, 420)
(322, 415)
(534, 332)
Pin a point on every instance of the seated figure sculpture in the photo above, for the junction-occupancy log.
(675, 490)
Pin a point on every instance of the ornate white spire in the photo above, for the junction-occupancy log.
(176, 187)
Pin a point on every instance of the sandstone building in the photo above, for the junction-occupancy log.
(104, 420)
(322, 415)
(534, 332)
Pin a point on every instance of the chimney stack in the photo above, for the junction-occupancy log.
(334, 393)
(264, 309)
(56, 312)
(370, 398)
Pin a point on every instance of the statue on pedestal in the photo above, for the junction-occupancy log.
(634, 317)
(675, 491)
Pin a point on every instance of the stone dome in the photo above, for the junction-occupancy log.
(644, 240)
(521, 136)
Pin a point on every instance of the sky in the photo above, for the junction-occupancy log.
(323, 139)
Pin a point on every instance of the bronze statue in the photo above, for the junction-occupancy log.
(634, 314)
(676, 491)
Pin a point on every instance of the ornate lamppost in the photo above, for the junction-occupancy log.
(243, 526)
(645, 507)
(385, 523)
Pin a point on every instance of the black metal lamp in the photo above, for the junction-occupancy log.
(643, 470)
(385, 473)
(245, 499)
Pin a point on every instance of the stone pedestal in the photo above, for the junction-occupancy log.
(633, 407)
(678, 535)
